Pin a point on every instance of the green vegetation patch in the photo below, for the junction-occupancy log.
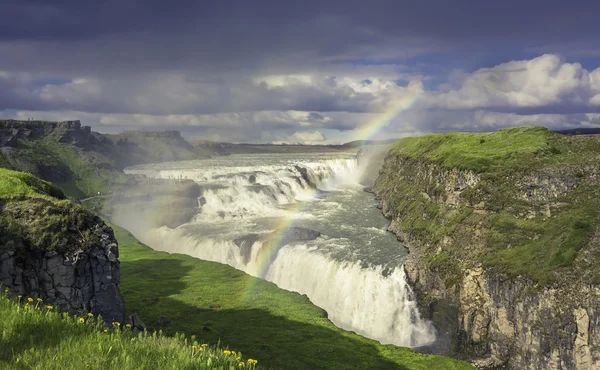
(34, 336)
(17, 184)
(41, 224)
(216, 303)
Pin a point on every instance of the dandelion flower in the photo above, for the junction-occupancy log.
(128, 326)
(227, 352)
(204, 345)
(49, 307)
(233, 352)
(19, 296)
(194, 347)
(252, 361)
(90, 314)
(39, 299)
(81, 319)
(29, 299)
(106, 330)
(238, 358)
(241, 364)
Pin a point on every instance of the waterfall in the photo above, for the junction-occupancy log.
(354, 270)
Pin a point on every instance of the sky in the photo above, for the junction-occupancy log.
(311, 71)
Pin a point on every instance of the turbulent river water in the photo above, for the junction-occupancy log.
(353, 270)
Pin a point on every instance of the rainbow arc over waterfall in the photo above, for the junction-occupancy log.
(381, 120)
(271, 247)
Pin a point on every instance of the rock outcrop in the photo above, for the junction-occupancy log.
(62, 254)
(461, 226)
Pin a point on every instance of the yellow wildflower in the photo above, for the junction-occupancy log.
(49, 307)
(29, 299)
(252, 361)
(116, 323)
(19, 296)
(233, 352)
(238, 358)
(204, 345)
(241, 364)
(90, 314)
(128, 326)
(194, 347)
(81, 319)
(227, 352)
(106, 330)
(39, 299)
(201, 349)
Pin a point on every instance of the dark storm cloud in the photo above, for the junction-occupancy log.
(130, 35)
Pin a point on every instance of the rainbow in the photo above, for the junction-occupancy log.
(272, 246)
(381, 120)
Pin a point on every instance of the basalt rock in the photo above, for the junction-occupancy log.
(71, 279)
(304, 173)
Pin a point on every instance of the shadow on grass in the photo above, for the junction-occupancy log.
(33, 335)
(157, 288)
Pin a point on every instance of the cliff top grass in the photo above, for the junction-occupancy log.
(279, 328)
(35, 217)
(503, 150)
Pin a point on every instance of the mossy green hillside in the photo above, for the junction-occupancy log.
(69, 167)
(35, 336)
(493, 223)
(216, 303)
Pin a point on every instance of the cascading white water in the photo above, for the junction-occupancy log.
(353, 271)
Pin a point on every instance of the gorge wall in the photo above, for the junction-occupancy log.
(502, 255)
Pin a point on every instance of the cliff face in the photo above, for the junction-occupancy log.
(502, 259)
(55, 250)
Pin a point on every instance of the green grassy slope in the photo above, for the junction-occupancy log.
(505, 232)
(216, 302)
(16, 184)
(34, 336)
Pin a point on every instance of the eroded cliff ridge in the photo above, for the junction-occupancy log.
(55, 250)
(504, 242)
